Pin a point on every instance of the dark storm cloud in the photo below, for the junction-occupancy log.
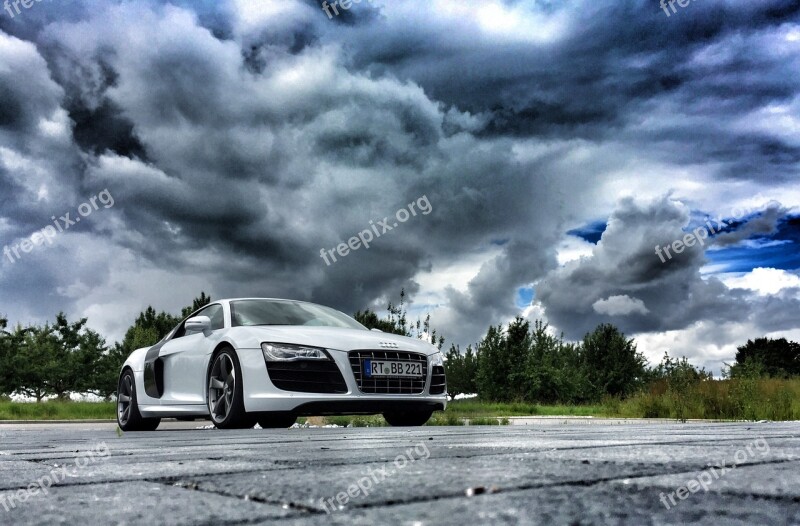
(617, 63)
(240, 138)
(672, 291)
(763, 224)
(202, 153)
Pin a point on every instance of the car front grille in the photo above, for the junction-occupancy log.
(438, 382)
(388, 385)
(307, 377)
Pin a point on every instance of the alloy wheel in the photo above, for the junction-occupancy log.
(221, 388)
(124, 398)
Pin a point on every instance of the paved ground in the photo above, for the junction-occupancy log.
(547, 472)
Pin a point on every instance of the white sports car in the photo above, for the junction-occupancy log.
(248, 360)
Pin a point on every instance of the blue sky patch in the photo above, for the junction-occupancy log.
(591, 232)
(780, 251)
(524, 296)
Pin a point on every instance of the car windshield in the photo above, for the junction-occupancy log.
(282, 312)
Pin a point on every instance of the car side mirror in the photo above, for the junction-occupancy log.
(198, 324)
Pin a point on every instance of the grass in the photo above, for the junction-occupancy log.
(731, 399)
(356, 420)
(439, 418)
(474, 408)
(738, 399)
(63, 410)
(458, 413)
(57, 410)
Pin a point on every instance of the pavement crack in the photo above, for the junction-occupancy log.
(194, 486)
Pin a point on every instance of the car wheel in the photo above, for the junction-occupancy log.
(226, 393)
(276, 420)
(128, 416)
(407, 418)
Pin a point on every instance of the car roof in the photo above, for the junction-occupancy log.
(270, 299)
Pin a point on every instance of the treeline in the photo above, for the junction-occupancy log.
(517, 362)
(526, 363)
(62, 358)
(55, 360)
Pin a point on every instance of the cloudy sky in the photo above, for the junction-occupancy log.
(557, 142)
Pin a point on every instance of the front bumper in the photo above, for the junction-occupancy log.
(260, 395)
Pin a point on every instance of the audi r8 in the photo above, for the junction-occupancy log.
(268, 361)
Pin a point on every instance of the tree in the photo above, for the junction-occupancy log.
(397, 323)
(33, 361)
(517, 345)
(200, 301)
(461, 370)
(612, 364)
(678, 371)
(554, 372)
(64, 357)
(147, 330)
(493, 367)
(7, 348)
(77, 351)
(502, 355)
(57, 359)
(370, 320)
(778, 358)
(106, 372)
(426, 333)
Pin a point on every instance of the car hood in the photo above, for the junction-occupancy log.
(334, 338)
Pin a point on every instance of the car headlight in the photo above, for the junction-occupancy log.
(286, 352)
(436, 359)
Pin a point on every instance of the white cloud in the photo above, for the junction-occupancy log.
(498, 20)
(705, 343)
(572, 248)
(763, 280)
(622, 305)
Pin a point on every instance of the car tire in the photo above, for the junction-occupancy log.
(128, 416)
(225, 394)
(276, 420)
(407, 418)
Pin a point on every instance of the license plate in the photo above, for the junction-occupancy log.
(380, 368)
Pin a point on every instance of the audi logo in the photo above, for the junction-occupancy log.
(388, 345)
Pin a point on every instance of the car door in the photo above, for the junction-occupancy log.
(185, 359)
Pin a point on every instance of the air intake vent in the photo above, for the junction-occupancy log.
(307, 377)
(438, 382)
